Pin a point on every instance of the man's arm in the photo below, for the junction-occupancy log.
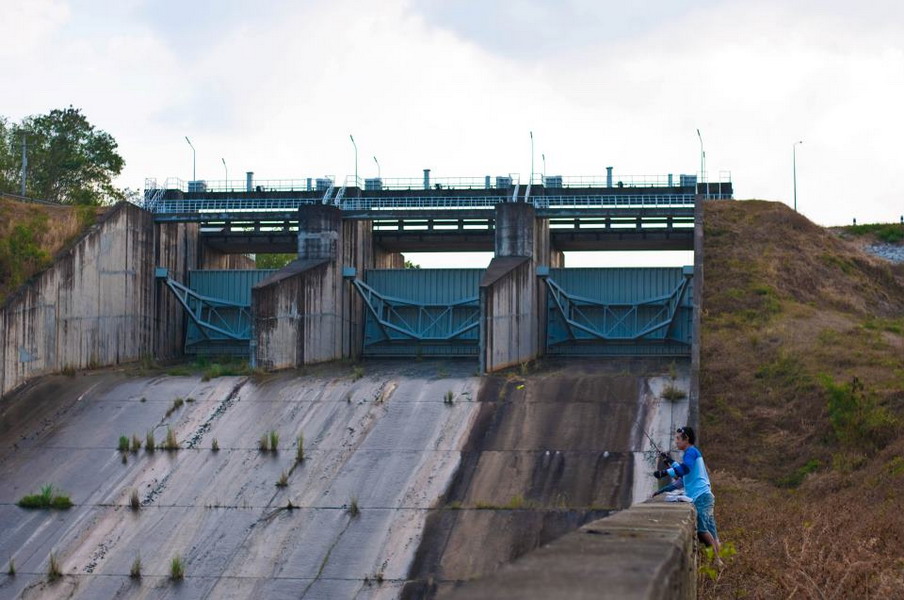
(680, 469)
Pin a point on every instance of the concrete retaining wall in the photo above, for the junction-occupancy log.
(643, 553)
(98, 304)
(509, 326)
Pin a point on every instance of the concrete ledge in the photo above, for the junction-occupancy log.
(645, 552)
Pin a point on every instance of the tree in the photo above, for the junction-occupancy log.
(69, 159)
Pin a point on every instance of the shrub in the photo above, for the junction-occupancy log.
(177, 568)
(283, 480)
(177, 403)
(170, 443)
(449, 398)
(135, 570)
(357, 372)
(673, 394)
(136, 443)
(263, 444)
(857, 418)
(215, 445)
(54, 571)
(274, 441)
(134, 500)
(353, 509)
(299, 450)
(47, 498)
(797, 477)
(149, 443)
(123, 443)
(11, 570)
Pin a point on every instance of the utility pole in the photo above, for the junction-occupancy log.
(194, 162)
(531, 158)
(24, 161)
(702, 164)
(794, 163)
(352, 138)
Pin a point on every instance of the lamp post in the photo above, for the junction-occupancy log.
(379, 176)
(24, 176)
(543, 156)
(531, 158)
(352, 138)
(193, 161)
(794, 166)
(702, 163)
(226, 169)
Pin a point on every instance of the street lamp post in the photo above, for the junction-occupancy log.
(352, 138)
(193, 161)
(702, 164)
(226, 170)
(794, 167)
(543, 156)
(531, 158)
(379, 176)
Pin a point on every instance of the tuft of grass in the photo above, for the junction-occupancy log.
(263, 444)
(177, 568)
(135, 569)
(54, 571)
(797, 477)
(274, 441)
(857, 418)
(11, 569)
(46, 498)
(289, 505)
(357, 372)
(673, 394)
(149, 443)
(189, 400)
(449, 398)
(299, 450)
(353, 509)
(177, 404)
(68, 371)
(170, 443)
(454, 505)
(214, 445)
(516, 502)
(143, 399)
(136, 443)
(283, 480)
(123, 443)
(134, 500)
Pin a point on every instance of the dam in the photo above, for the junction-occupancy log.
(448, 421)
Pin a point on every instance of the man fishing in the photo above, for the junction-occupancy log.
(693, 473)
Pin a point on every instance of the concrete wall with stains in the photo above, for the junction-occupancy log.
(211, 258)
(509, 332)
(98, 304)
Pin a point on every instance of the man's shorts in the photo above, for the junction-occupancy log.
(706, 518)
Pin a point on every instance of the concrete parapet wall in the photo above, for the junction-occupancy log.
(98, 304)
(643, 553)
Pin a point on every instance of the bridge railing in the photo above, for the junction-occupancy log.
(486, 182)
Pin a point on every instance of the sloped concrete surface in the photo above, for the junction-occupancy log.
(387, 441)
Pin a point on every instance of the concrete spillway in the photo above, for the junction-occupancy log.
(446, 492)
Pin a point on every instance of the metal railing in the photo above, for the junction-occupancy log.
(487, 182)
(309, 184)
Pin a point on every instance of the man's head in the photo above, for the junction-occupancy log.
(685, 437)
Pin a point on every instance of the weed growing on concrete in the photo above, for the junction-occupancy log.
(11, 569)
(177, 568)
(136, 443)
(449, 398)
(54, 571)
(263, 444)
(134, 500)
(143, 399)
(170, 443)
(47, 498)
(68, 371)
(516, 502)
(135, 570)
(481, 505)
(442, 373)
(214, 445)
(283, 480)
(177, 404)
(357, 372)
(274, 441)
(673, 371)
(189, 400)
(149, 443)
(454, 505)
(123, 443)
(673, 394)
(299, 450)
(353, 509)
(378, 577)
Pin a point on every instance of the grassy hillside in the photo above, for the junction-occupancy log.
(802, 402)
(31, 234)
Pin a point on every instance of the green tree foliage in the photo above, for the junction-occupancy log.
(69, 159)
(273, 261)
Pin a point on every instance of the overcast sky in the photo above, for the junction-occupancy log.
(277, 86)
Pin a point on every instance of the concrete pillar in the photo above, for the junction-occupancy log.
(319, 226)
(515, 228)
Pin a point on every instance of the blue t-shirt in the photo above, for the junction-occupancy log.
(692, 470)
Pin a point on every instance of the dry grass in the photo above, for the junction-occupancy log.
(787, 307)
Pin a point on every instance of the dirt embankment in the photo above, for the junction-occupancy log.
(32, 234)
(549, 452)
(802, 401)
